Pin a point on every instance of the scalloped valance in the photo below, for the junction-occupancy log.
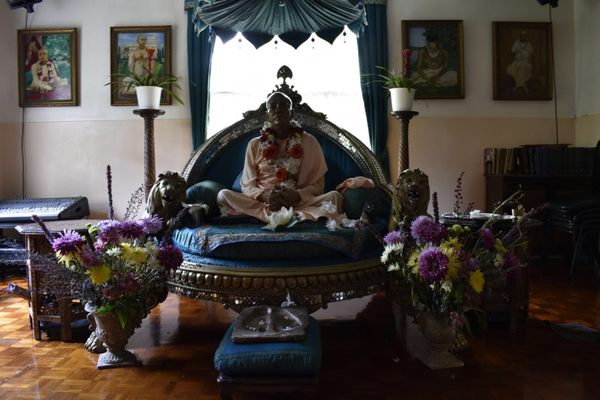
(292, 20)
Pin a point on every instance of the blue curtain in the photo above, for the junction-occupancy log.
(373, 51)
(200, 49)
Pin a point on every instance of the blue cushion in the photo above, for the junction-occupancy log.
(237, 184)
(270, 359)
(205, 192)
(250, 242)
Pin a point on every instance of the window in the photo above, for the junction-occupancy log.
(326, 75)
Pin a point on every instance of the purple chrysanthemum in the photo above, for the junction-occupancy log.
(131, 230)
(109, 232)
(151, 224)
(67, 242)
(90, 258)
(394, 237)
(425, 230)
(433, 265)
(487, 238)
(169, 257)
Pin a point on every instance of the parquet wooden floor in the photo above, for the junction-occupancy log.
(361, 357)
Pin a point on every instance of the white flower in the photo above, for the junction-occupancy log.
(283, 217)
(386, 254)
(328, 207)
(447, 286)
(332, 224)
(113, 252)
(499, 260)
(393, 267)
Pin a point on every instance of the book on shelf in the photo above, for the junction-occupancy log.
(539, 160)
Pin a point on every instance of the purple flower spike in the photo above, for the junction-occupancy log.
(433, 265)
(151, 224)
(487, 238)
(394, 237)
(511, 260)
(425, 230)
(90, 258)
(68, 242)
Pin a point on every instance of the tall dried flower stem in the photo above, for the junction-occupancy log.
(111, 210)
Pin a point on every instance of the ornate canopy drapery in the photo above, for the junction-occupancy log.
(292, 20)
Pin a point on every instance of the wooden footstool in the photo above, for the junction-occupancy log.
(270, 368)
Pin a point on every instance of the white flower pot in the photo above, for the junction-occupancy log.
(148, 97)
(402, 99)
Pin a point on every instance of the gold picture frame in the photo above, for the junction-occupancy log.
(437, 57)
(137, 49)
(523, 60)
(47, 67)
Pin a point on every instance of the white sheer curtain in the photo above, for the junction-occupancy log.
(326, 75)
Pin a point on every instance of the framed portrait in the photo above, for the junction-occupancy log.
(137, 50)
(47, 66)
(436, 60)
(522, 60)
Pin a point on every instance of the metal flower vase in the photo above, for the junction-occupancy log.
(440, 335)
(114, 337)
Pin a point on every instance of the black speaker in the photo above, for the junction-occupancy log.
(553, 3)
(27, 4)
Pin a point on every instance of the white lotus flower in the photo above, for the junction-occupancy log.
(283, 217)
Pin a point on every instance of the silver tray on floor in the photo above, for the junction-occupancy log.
(259, 324)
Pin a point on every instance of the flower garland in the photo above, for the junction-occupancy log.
(288, 165)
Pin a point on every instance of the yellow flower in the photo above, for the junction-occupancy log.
(500, 247)
(135, 255)
(67, 259)
(100, 274)
(413, 262)
(453, 260)
(477, 280)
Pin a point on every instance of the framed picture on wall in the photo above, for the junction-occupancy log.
(522, 60)
(47, 67)
(436, 61)
(137, 50)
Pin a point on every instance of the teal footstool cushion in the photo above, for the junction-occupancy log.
(270, 359)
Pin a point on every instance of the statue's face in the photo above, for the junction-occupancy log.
(414, 191)
(142, 41)
(278, 111)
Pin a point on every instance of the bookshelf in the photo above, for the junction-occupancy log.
(542, 172)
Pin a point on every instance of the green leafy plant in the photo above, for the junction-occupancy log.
(167, 82)
(392, 80)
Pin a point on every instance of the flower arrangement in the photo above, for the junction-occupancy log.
(121, 265)
(448, 269)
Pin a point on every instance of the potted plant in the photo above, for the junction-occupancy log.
(149, 86)
(401, 87)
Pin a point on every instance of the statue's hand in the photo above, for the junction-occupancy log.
(289, 197)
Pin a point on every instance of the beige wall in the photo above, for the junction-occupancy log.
(67, 148)
(587, 56)
(449, 136)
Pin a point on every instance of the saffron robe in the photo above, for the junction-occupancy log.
(258, 180)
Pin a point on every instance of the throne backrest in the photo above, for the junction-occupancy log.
(221, 158)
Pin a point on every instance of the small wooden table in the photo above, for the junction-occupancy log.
(36, 242)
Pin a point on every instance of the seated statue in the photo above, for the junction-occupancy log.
(243, 179)
(283, 167)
